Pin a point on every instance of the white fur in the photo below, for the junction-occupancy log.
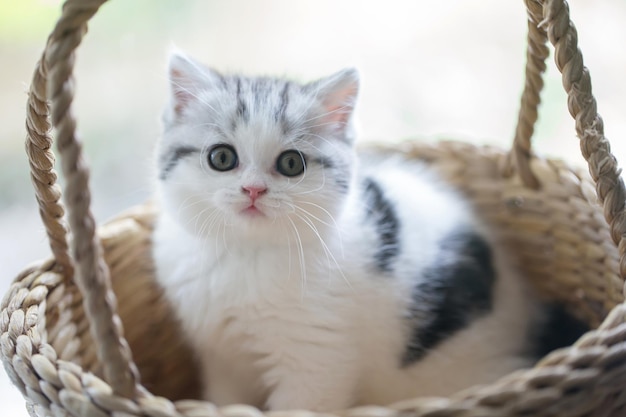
(283, 310)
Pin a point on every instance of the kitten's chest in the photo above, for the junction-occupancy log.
(252, 278)
(241, 290)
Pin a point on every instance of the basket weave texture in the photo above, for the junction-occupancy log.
(70, 323)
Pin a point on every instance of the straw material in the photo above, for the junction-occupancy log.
(61, 333)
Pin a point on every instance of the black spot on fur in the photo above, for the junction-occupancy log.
(169, 161)
(381, 212)
(557, 329)
(452, 292)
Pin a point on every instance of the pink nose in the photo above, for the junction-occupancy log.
(254, 191)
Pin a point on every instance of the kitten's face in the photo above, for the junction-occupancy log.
(253, 158)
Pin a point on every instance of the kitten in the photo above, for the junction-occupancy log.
(308, 276)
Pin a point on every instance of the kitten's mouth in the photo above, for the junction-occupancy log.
(253, 211)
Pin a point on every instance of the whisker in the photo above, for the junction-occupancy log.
(338, 109)
(327, 251)
(301, 255)
(197, 97)
(197, 217)
(288, 251)
(309, 214)
(331, 143)
(321, 208)
(321, 187)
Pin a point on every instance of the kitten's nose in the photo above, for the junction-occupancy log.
(254, 191)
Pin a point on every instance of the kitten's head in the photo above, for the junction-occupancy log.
(261, 158)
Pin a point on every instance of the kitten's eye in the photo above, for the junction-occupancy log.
(290, 163)
(223, 158)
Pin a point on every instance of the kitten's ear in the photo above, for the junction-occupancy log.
(338, 94)
(188, 78)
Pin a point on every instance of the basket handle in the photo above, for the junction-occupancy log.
(53, 81)
(551, 19)
(536, 54)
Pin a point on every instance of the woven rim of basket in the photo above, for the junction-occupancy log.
(50, 105)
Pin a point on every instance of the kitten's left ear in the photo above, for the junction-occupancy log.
(338, 94)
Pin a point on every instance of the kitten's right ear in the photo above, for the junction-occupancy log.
(188, 78)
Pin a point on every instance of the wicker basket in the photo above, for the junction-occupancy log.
(61, 321)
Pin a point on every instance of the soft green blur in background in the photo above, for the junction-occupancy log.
(430, 70)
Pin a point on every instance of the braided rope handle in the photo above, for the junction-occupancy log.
(53, 80)
(550, 19)
(536, 54)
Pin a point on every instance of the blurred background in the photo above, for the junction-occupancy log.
(430, 70)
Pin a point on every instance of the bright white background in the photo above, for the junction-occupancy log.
(430, 70)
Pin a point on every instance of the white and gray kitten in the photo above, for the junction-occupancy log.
(307, 276)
